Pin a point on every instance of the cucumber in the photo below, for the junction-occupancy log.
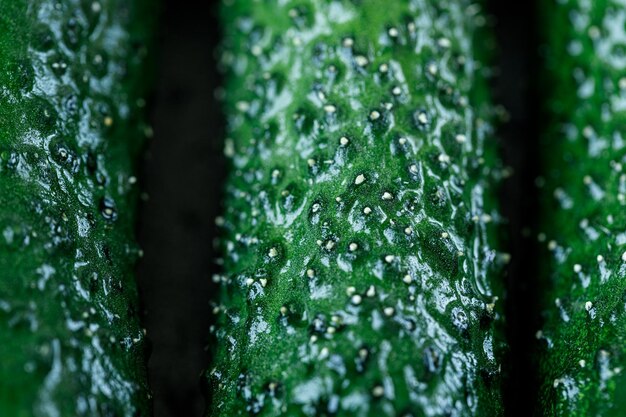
(360, 268)
(582, 341)
(72, 84)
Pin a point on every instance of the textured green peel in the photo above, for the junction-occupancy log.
(582, 343)
(71, 93)
(360, 272)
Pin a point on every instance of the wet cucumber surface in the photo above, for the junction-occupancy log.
(72, 84)
(361, 272)
(582, 344)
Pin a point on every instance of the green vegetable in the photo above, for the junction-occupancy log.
(72, 84)
(360, 268)
(582, 353)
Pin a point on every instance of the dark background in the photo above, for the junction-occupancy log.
(183, 173)
(516, 89)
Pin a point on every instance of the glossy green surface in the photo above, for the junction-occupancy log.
(358, 238)
(583, 340)
(71, 88)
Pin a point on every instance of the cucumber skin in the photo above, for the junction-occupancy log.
(71, 73)
(291, 337)
(584, 211)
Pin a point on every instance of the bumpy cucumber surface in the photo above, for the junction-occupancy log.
(359, 229)
(583, 339)
(71, 88)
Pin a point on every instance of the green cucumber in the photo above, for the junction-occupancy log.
(582, 341)
(361, 273)
(72, 84)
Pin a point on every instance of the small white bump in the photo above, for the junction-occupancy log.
(343, 141)
(600, 258)
(408, 230)
(577, 268)
(588, 305)
(361, 61)
(324, 352)
(444, 42)
(383, 68)
(594, 32)
(552, 245)
(249, 281)
(378, 391)
(387, 196)
(374, 115)
(329, 244)
(243, 106)
(396, 91)
(413, 169)
(263, 282)
(443, 158)
(371, 291)
(393, 32)
(582, 363)
(329, 108)
(445, 235)
(407, 279)
(422, 117)
(624, 256)
(273, 253)
(367, 210)
(348, 42)
(402, 141)
(311, 162)
(310, 273)
(461, 138)
(353, 246)
(389, 258)
(389, 311)
(360, 179)
(350, 290)
(356, 299)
